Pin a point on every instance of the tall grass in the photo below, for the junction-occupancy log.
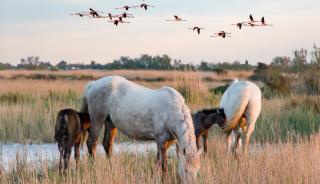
(28, 107)
(284, 118)
(33, 120)
(287, 130)
(269, 163)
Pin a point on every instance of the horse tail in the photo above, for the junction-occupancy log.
(237, 112)
(84, 106)
(235, 80)
(84, 120)
(58, 132)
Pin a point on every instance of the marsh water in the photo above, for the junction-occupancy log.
(34, 153)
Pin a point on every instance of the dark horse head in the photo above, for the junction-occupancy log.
(205, 118)
(202, 122)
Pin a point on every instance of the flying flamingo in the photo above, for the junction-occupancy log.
(116, 22)
(79, 14)
(252, 24)
(145, 6)
(196, 28)
(125, 15)
(239, 25)
(126, 7)
(110, 16)
(252, 19)
(223, 34)
(177, 19)
(94, 13)
(263, 22)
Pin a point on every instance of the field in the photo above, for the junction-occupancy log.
(285, 145)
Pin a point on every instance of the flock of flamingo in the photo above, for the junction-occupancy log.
(116, 19)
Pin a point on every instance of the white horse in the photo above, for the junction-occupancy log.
(144, 114)
(242, 105)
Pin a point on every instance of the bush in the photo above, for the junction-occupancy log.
(312, 80)
(277, 83)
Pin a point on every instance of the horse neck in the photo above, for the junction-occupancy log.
(195, 122)
(198, 127)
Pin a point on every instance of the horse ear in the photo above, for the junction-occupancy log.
(220, 111)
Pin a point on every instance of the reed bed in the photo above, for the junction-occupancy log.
(29, 107)
(285, 147)
(130, 74)
(265, 163)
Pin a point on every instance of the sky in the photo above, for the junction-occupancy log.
(44, 28)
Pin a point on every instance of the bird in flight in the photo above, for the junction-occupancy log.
(177, 19)
(239, 25)
(116, 22)
(223, 34)
(125, 15)
(196, 28)
(145, 6)
(252, 19)
(110, 16)
(263, 22)
(126, 7)
(80, 14)
(94, 13)
(252, 24)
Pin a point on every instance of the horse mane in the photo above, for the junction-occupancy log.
(187, 140)
(210, 111)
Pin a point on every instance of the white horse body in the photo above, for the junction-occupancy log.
(144, 114)
(241, 99)
(141, 112)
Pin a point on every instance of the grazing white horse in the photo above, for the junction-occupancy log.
(242, 105)
(144, 114)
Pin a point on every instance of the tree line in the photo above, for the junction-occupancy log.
(144, 62)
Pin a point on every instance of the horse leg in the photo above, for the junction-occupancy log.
(251, 117)
(237, 143)
(108, 138)
(77, 153)
(198, 141)
(94, 135)
(93, 139)
(66, 157)
(229, 142)
(204, 141)
(247, 137)
(61, 158)
(162, 156)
